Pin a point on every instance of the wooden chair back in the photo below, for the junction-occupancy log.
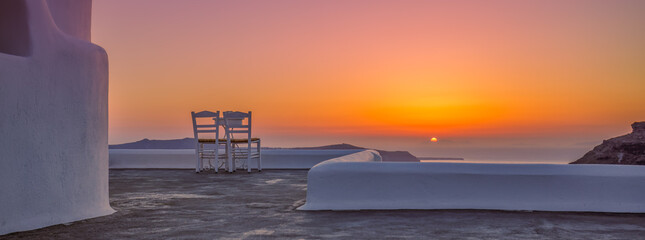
(202, 127)
(238, 122)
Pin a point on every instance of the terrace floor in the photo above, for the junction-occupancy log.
(179, 204)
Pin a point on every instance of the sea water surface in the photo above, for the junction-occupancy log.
(503, 155)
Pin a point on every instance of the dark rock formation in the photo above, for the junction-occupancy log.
(397, 156)
(628, 149)
(331, 147)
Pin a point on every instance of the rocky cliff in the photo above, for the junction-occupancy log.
(628, 149)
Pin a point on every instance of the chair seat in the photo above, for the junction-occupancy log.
(208, 140)
(223, 140)
(243, 140)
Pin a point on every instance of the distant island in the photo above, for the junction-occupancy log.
(184, 143)
(189, 143)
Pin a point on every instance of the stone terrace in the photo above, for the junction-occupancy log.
(179, 204)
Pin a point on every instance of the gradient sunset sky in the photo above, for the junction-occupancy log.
(386, 74)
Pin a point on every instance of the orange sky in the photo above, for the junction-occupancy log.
(315, 72)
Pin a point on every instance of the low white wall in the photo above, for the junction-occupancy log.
(543, 187)
(185, 158)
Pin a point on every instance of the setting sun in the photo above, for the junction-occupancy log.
(434, 139)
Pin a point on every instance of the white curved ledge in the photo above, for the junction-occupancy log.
(533, 187)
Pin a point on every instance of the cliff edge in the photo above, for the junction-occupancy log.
(627, 149)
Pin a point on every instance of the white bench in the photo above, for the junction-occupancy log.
(360, 181)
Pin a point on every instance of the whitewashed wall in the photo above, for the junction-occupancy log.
(357, 182)
(53, 115)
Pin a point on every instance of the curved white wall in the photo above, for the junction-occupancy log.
(322, 194)
(544, 187)
(53, 122)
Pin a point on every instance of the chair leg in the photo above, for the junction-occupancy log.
(248, 157)
(226, 165)
(197, 159)
(234, 158)
(229, 157)
(216, 157)
(259, 157)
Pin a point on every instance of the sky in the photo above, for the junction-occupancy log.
(481, 76)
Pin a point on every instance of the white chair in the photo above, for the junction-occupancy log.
(206, 132)
(238, 124)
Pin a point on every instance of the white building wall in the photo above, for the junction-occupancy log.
(53, 115)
